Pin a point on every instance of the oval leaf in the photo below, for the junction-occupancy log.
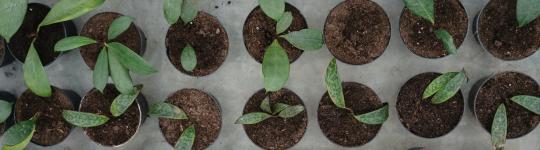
(13, 12)
(306, 39)
(172, 9)
(119, 74)
(186, 140)
(19, 135)
(265, 105)
(166, 110)
(73, 42)
(447, 39)
(291, 111)
(284, 23)
(252, 118)
(275, 67)
(83, 119)
(531, 103)
(333, 84)
(188, 58)
(527, 11)
(278, 107)
(5, 110)
(122, 102)
(190, 9)
(130, 59)
(499, 127)
(100, 75)
(65, 10)
(119, 26)
(438, 84)
(378, 116)
(450, 89)
(422, 8)
(273, 8)
(35, 77)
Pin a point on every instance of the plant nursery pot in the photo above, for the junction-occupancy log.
(203, 111)
(357, 31)
(418, 34)
(118, 130)
(9, 121)
(51, 127)
(47, 37)
(492, 91)
(276, 133)
(497, 31)
(260, 32)
(339, 125)
(97, 28)
(206, 35)
(423, 118)
(5, 57)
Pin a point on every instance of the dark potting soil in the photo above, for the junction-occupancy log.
(499, 32)
(203, 111)
(97, 28)
(47, 37)
(420, 116)
(276, 133)
(117, 130)
(419, 34)
(2, 128)
(498, 90)
(206, 35)
(339, 125)
(260, 32)
(51, 127)
(357, 31)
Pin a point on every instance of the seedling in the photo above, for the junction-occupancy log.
(281, 110)
(527, 11)
(169, 111)
(187, 11)
(19, 135)
(5, 110)
(335, 91)
(445, 87)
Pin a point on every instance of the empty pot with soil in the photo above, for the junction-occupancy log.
(6, 110)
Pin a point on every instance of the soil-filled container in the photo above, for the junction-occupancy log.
(5, 57)
(357, 31)
(260, 31)
(492, 91)
(51, 127)
(47, 37)
(203, 111)
(97, 28)
(8, 97)
(118, 130)
(206, 35)
(418, 34)
(422, 117)
(496, 29)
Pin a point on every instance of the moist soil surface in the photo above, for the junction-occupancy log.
(498, 90)
(500, 35)
(357, 31)
(276, 133)
(46, 38)
(419, 34)
(423, 118)
(339, 125)
(97, 28)
(203, 111)
(51, 127)
(117, 130)
(260, 32)
(206, 35)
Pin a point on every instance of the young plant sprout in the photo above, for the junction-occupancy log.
(169, 111)
(527, 11)
(20, 134)
(5, 110)
(278, 110)
(445, 87)
(335, 91)
(187, 11)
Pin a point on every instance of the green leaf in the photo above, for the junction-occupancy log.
(378, 116)
(265, 105)
(119, 75)
(130, 59)
(172, 9)
(499, 127)
(186, 140)
(333, 84)
(188, 58)
(100, 75)
(447, 39)
(531, 103)
(73, 42)
(35, 77)
(5, 110)
(275, 67)
(119, 26)
(166, 110)
(253, 118)
(291, 111)
(19, 135)
(307, 39)
(122, 102)
(13, 12)
(190, 9)
(83, 119)
(438, 84)
(422, 8)
(273, 8)
(449, 89)
(65, 10)
(278, 107)
(527, 11)
(284, 23)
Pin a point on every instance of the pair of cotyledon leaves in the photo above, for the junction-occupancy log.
(280, 109)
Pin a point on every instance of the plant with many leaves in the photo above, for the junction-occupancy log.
(444, 87)
(187, 11)
(20, 134)
(278, 110)
(170, 111)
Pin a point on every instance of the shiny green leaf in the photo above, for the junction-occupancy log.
(35, 77)
(306, 39)
(122, 102)
(19, 135)
(13, 12)
(119, 26)
(5, 110)
(275, 67)
(333, 84)
(65, 10)
(265, 105)
(73, 42)
(188, 58)
(438, 84)
(119, 74)
(378, 116)
(447, 39)
(253, 118)
(166, 110)
(273, 8)
(190, 9)
(422, 8)
(531, 103)
(100, 75)
(278, 107)
(83, 119)
(450, 89)
(172, 9)
(284, 23)
(527, 11)
(130, 59)
(499, 128)
(186, 140)
(291, 111)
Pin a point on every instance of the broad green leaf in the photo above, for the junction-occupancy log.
(83, 119)
(73, 42)
(284, 23)
(265, 105)
(333, 84)
(166, 110)
(5, 110)
(253, 118)
(531, 103)
(306, 39)
(35, 77)
(122, 102)
(438, 84)
(65, 10)
(19, 135)
(130, 59)
(422, 8)
(100, 75)
(527, 11)
(273, 8)
(119, 74)
(291, 111)
(450, 89)
(13, 12)
(447, 39)
(275, 67)
(188, 58)
(278, 107)
(186, 140)
(119, 26)
(378, 116)
(190, 9)
(172, 9)
(499, 128)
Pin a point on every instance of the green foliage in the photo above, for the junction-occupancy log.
(531, 103)
(119, 74)
(130, 59)
(166, 110)
(265, 105)
(282, 110)
(122, 102)
(65, 10)
(422, 8)
(447, 39)
(5, 110)
(291, 111)
(499, 128)
(188, 58)
(527, 11)
(189, 10)
(253, 118)
(273, 8)
(306, 39)
(445, 87)
(172, 9)
(19, 135)
(83, 119)
(333, 84)
(119, 26)
(378, 116)
(13, 12)
(284, 22)
(278, 107)
(100, 75)
(275, 67)
(186, 140)
(35, 77)
(73, 42)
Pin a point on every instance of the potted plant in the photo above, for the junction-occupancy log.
(349, 114)
(509, 29)
(6, 109)
(430, 104)
(20, 134)
(357, 31)
(433, 28)
(196, 42)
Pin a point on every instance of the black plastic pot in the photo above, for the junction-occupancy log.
(10, 120)
(7, 58)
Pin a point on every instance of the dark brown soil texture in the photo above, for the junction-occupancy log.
(2, 128)
(260, 32)
(422, 117)
(498, 90)
(206, 35)
(203, 111)
(499, 33)
(97, 28)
